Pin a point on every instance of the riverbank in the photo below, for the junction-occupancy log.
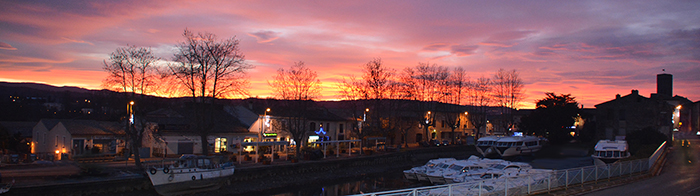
(265, 179)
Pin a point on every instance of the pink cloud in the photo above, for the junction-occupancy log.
(6, 46)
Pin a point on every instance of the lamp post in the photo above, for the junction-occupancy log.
(130, 110)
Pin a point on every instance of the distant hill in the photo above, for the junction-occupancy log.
(30, 87)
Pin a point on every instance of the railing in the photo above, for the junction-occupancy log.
(524, 185)
(535, 183)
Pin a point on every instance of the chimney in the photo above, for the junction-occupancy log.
(617, 96)
(664, 85)
(635, 92)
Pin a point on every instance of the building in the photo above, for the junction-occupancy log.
(661, 111)
(57, 139)
(176, 132)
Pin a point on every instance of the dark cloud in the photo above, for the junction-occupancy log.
(6, 46)
(463, 50)
(265, 36)
(435, 47)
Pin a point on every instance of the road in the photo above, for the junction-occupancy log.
(680, 175)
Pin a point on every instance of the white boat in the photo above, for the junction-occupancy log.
(611, 151)
(6, 188)
(190, 174)
(440, 166)
(411, 173)
(457, 168)
(496, 169)
(508, 146)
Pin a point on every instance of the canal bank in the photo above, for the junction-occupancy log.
(261, 179)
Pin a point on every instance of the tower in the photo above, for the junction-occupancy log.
(664, 85)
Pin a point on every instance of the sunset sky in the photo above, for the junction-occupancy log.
(590, 49)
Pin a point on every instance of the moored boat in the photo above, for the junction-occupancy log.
(508, 146)
(611, 151)
(190, 174)
(411, 174)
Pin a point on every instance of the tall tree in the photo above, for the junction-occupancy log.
(426, 83)
(377, 88)
(479, 99)
(132, 70)
(507, 92)
(553, 115)
(207, 69)
(451, 113)
(299, 86)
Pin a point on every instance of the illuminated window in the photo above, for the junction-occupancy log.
(220, 145)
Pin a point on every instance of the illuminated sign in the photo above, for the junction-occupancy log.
(270, 134)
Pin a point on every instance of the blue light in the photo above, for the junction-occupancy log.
(320, 131)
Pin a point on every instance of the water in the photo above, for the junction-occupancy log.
(390, 180)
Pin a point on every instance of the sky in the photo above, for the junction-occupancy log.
(592, 50)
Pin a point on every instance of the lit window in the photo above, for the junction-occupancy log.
(220, 145)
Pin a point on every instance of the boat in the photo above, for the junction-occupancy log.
(6, 188)
(457, 168)
(611, 151)
(508, 146)
(190, 174)
(496, 169)
(440, 166)
(411, 173)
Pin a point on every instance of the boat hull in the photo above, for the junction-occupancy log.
(410, 175)
(188, 180)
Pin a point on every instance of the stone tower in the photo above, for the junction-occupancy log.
(664, 85)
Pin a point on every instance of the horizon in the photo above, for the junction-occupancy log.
(592, 50)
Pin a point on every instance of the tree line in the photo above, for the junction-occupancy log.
(206, 68)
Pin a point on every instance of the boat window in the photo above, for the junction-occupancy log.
(499, 166)
(608, 154)
(617, 153)
(455, 167)
(519, 144)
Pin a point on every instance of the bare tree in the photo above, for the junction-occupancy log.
(507, 93)
(426, 83)
(451, 112)
(299, 86)
(207, 69)
(132, 71)
(479, 99)
(377, 87)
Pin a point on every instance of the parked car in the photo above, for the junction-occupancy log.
(434, 143)
(445, 143)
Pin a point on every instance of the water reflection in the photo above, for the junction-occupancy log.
(390, 180)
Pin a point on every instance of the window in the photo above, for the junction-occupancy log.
(220, 145)
(312, 126)
(56, 142)
(341, 128)
(64, 141)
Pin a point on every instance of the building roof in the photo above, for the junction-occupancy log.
(85, 127)
(92, 127)
(181, 120)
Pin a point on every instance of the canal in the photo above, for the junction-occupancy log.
(389, 180)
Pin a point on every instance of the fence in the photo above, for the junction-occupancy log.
(535, 183)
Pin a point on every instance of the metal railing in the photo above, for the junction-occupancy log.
(534, 183)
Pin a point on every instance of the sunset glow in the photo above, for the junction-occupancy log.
(590, 49)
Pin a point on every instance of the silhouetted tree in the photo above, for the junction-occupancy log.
(507, 93)
(552, 117)
(206, 69)
(132, 71)
(298, 85)
(479, 99)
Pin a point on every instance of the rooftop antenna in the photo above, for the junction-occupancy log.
(664, 70)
